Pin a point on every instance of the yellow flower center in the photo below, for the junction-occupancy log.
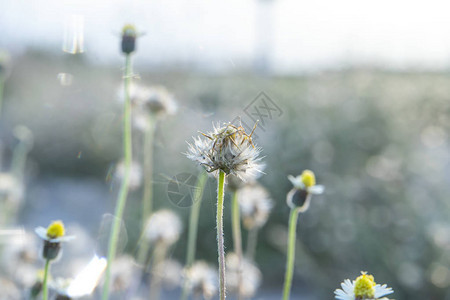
(55, 230)
(129, 30)
(308, 178)
(364, 286)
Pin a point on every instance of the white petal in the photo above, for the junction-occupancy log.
(41, 232)
(382, 290)
(296, 181)
(316, 189)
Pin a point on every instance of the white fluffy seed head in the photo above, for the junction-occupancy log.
(255, 204)
(202, 279)
(250, 276)
(227, 148)
(163, 226)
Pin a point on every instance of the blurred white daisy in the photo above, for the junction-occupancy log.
(227, 148)
(364, 287)
(299, 196)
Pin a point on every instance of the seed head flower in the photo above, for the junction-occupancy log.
(304, 186)
(202, 279)
(250, 276)
(163, 226)
(53, 235)
(228, 148)
(135, 174)
(255, 204)
(363, 288)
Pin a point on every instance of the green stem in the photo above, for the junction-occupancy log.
(193, 228)
(291, 253)
(159, 255)
(252, 241)
(123, 193)
(2, 86)
(147, 195)
(220, 246)
(44, 283)
(237, 238)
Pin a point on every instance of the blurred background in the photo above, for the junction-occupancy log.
(358, 92)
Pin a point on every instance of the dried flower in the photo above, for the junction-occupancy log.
(255, 204)
(202, 279)
(364, 287)
(170, 272)
(135, 174)
(250, 276)
(163, 226)
(227, 148)
(304, 186)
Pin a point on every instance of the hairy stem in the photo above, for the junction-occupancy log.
(44, 283)
(291, 253)
(237, 238)
(123, 193)
(220, 245)
(193, 228)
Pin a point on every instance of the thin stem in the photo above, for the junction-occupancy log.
(44, 283)
(2, 86)
(123, 193)
(193, 228)
(159, 255)
(220, 246)
(291, 253)
(252, 241)
(237, 238)
(147, 195)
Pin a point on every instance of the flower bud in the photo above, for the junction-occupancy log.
(128, 39)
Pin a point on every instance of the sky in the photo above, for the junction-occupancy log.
(292, 35)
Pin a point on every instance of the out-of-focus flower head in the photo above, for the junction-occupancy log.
(129, 35)
(123, 271)
(11, 190)
(163, 226)
(227, 148)
(170, 272)
(202, 279)
(255, 204)
(53, 235)
(19, 259)
(250, 275)
(304, 186)
(135, 180)
(364, 287)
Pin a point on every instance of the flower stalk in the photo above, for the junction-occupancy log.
(44, 283)
(291, 253)
(237, 238)
(123, 193)
(220, 242)
(193, 228)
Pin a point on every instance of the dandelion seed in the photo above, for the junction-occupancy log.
(364, 287)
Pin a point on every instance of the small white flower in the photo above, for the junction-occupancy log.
(227, 148)
(364, 287)
(299, 197)
(163, 226)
